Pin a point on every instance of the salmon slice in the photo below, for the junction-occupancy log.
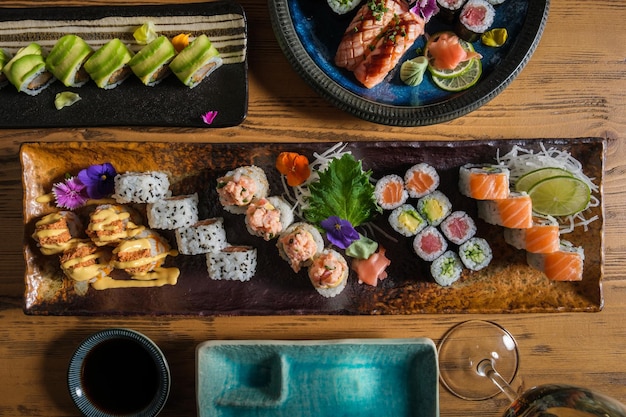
(564, 265)
(421, 182)
(489, 186)
(542, 239)
(515, 212)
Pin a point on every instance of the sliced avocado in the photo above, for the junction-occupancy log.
(67, 57)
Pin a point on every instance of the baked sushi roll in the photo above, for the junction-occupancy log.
(27, 70)
(268, 217)
(108, 66)
(109, 224)
(475, 254)
(66, 60)
(151, 63)
(85, 261)
(234, 263)
(476, 17)
(328, 273)
(204, 236)
(446, 269)
(141, 187)
(57, 231)
(5, 57)
(141, 254)
(429, 244)
(299, 244)
(173, 212)
(406, 220)
(239, 187)
(196, 62)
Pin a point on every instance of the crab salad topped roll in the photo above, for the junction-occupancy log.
(299, 244)
(268, 217)
(239, 187)
(329, 273)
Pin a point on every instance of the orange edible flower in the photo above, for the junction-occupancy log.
(294, 166)
(181, 41)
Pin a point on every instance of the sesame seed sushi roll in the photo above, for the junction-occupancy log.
(515, 211)
(239, 187)
(484, 182)
(141, 187)
(55, 232)
(109, 224)
(173, 212)
(151, 63)
(390, 192)
(142, 253)
(27, 70)
(66, 60)
(420, 180)
(446, 269)
(268, 217)
(108, 66)
(434, 207)
(329, 273)
(429, 244)
(566, 264)
(234, 263)
(196, 62)
(475, 254)
(542, 237)
(476, 17)
(406, 220)
(204, 236)
(85, 261)
(298, 244)
(5, 57)
(458, 227)
(449, 10)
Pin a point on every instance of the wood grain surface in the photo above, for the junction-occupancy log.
(572, 87)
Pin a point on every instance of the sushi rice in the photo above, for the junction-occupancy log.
(406, 220)
(204, 236)
(141, 187)
(421, 179)
(475, 254)
(446, 269)
(390, 192)
(234, 263)
(429, 244)
(173, 212)
(458, 227)
(434, 207)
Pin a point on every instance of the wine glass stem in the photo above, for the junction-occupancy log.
(485, 368)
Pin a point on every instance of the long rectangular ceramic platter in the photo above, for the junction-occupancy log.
(507, 284)
(369, 377)
(169, 103)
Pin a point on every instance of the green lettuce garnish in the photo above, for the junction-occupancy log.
(343, 190)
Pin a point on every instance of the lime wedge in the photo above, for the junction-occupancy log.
(560, 196)
(462, 81)
(526, 181)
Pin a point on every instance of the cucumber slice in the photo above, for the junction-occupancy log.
(108, 64)
(150, 63)
(196, 61)
(67, 58)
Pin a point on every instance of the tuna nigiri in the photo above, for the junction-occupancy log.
(566, 264)
(515, 212)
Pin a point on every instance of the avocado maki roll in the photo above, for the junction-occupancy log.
(66, 60)
(196, 62)
(4, 58)
(108, 66)
(150, 64)
(27, 70)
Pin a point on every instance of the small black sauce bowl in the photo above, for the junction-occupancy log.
(87, 398)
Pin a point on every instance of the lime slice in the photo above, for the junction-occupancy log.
(463, 81)
(526, 181)
(448, 73)
(560, 196)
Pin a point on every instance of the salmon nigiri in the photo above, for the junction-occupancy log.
(515, 212)
(566, 264)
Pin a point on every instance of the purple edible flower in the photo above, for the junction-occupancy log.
(209, 116)
(339, 232)
(70, 194)
(425, 8)
(99, 180)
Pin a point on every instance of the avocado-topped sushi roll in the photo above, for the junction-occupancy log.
(196, 62)
(27, 70)
(108, 66)
(66, 60)
(4, 58)
(151, 63)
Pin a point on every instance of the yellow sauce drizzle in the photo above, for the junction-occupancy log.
(156, 278)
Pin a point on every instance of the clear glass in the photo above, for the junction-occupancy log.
(479, 359)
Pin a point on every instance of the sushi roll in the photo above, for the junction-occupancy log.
(173, 212)
(434, 207)
(66, 60)
(446, 269)
(202, 237)
(390, 192)
(515, 211)
(196, 62)
(4, 58)
(141, 187)
(496, 3)
(108, 66)
(141, 254)
(449, 9)
(329, 273)
(542, 237)
(268, 217)
(406, 220)
(566, 264)
(475, 254)
(85, 261)
(239, 187)
(56, 232)
(109, 224)
(429, 244)
(420, 180)
(484, 182)
(476, 17)
(458, 227)
(299, 244)
(151, 63)
(27, 70)
(234, 263)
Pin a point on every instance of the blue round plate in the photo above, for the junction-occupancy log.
(309, 33)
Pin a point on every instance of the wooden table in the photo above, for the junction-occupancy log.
(574, 86)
